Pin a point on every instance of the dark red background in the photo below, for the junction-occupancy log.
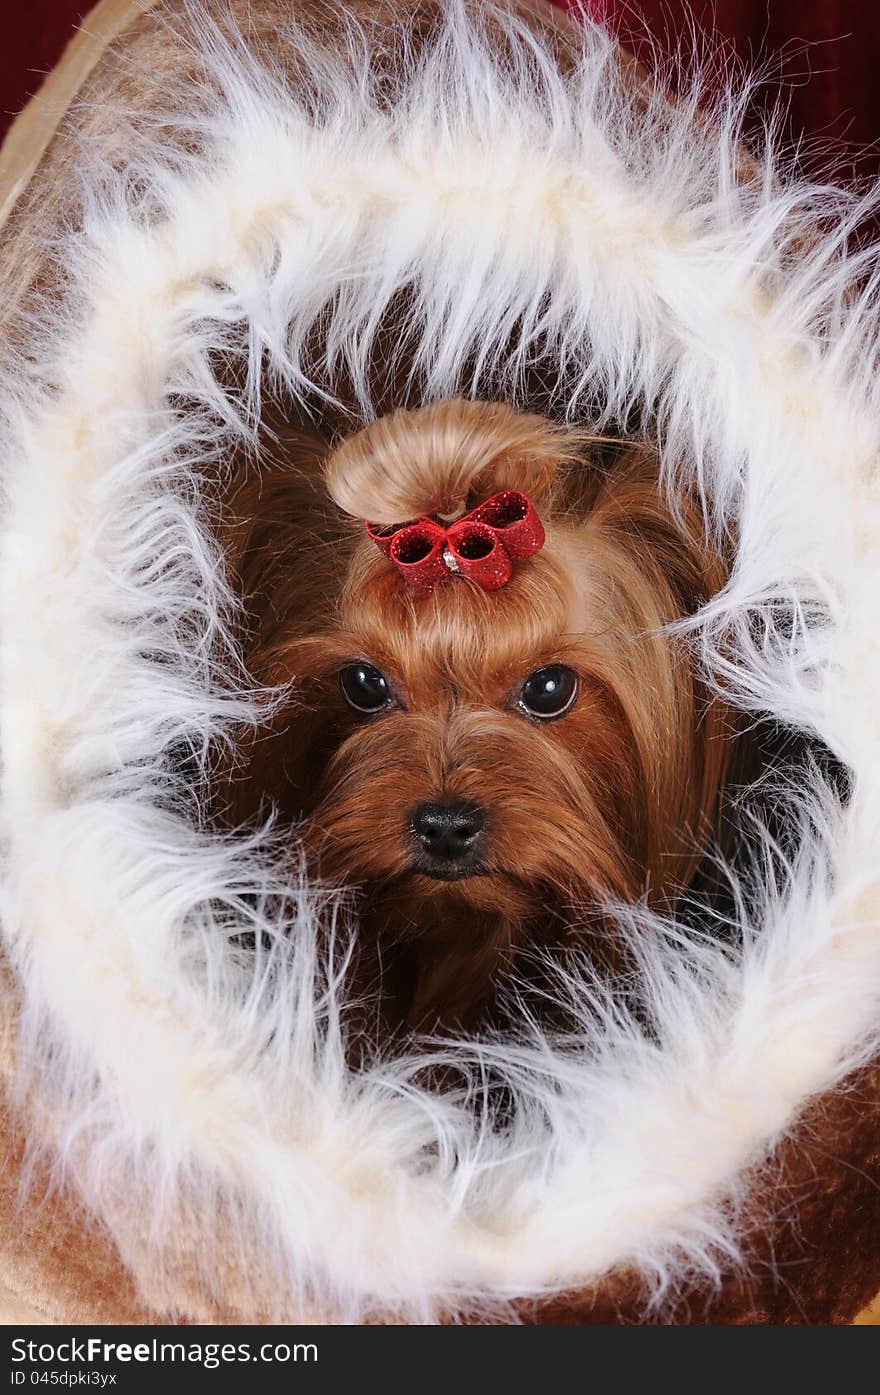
(822, 54)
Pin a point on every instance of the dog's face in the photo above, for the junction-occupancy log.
(478, 758)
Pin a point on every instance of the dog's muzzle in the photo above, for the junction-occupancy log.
(448, 839)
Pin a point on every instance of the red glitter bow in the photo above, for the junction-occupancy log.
(482, 546)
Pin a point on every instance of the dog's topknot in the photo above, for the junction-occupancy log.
(433, 459)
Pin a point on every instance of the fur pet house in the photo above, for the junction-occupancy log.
(219, 218)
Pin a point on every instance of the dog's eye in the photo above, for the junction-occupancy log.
(549, 692)
(364, 688)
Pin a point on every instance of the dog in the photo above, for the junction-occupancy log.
(488, 767)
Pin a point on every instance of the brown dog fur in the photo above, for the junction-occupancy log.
(612, 801)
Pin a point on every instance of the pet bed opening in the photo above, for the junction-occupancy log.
(765, 763)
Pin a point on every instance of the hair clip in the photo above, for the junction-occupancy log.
(482, 546)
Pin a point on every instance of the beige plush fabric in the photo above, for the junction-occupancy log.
(53, 1268)
(32, 129)
(13, 1312)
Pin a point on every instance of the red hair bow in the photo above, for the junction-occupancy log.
(482, 546)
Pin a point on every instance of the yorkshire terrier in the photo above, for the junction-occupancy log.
(492, 733)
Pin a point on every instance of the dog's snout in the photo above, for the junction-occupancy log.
(448, 832)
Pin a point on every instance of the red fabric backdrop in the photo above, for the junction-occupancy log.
(824, 52)
(819, 57)
(34, 35)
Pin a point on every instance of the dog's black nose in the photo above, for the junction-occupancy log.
(449, 833)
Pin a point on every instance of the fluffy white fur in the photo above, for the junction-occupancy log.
(193, 1086)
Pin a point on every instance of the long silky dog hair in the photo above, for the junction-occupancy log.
(397, 702)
